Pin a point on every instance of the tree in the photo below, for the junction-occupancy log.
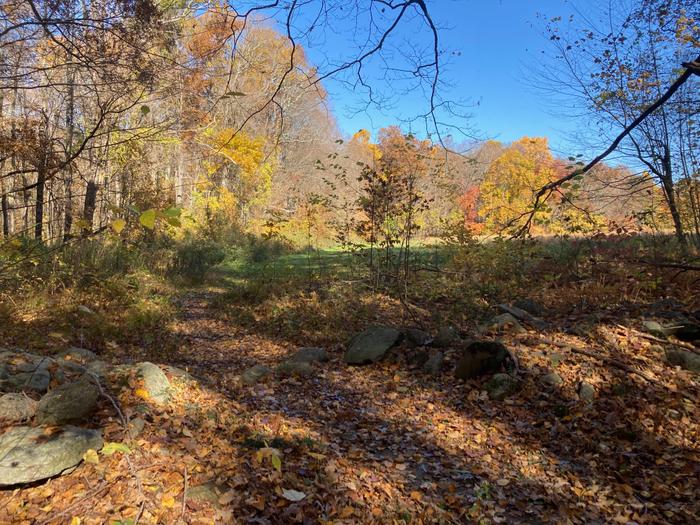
(616, 62)
(511, 181)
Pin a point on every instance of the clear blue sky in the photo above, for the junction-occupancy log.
(499, 41)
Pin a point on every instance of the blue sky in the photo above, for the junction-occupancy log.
(500, 42)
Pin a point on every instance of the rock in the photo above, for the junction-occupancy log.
(155, 382)
(418, 357)
(69, 402)
(446, 336)
(30, 454)
(371, 345)
(294, 369)
(551, 380)
(529, 305)
(254, 374)
(33, 377)
(99, 368)
(480, 358)
(136, 427)
(178, 374)
(77, 355)
(418, 337)
(686, 359)
(309, 355)
(687, 331)
(16, 408)
(654, 328)
(433, 365)
(586, 391)
(505, 323)
(202, 495)
(501, 386)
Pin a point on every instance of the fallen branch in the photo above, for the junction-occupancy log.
(524, 316)
(679, 344)
(607, 360)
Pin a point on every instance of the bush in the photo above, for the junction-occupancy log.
(264, 250)
(194, 257)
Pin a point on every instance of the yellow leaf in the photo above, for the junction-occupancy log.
(417, 496)
(148, 219)
(75, 520)
(142, 393)
(118, 225)
(168, 501)
(91, 457)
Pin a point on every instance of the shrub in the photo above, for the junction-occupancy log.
(194, 257)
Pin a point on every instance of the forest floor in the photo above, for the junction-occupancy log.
(389, 443)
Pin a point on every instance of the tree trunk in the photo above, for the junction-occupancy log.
(670, 192)
(5, 216)
(39, 210)
(89, 206)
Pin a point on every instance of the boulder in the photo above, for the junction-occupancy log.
(22, 371)
(309, 355)
(505, 323)
(371, 345)
(155, 382)
(254, 374)
(501, 386)
(586, 391)
(654, 328)
(203, 495)
(418, 337)
(294, 369)
(433, 365)
(77, 355)
(446, 336)
(16, 408)
(69, 402)
(686, 359)
(529, 305)
(30, 454)
(481, 358)
(418, 358)
(551, 380)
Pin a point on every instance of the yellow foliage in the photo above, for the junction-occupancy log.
(511, 181)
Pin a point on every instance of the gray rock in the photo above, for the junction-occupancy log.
(136, 427)
(501, 386)
(77, 355)
(446, 336)
(371, 345)
(204, 494)
(178, 374)
(30, 377)
(686, 359)
(505, 323)
(255, 374)
(309, 355)
(418, 358)
(551, 380)
(418, 337)
(16, 408)
(99, 368)
(655, 329)
(433, 365)
(69, 402)
(586, 391)
(529, 305)
(294, 369)
(155, 383)
(480, 358)
(29, 454)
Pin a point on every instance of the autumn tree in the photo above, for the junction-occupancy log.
(615, 62)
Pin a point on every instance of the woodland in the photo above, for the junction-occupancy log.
(217, 305)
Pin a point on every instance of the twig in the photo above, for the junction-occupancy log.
(71, 507)
(184, 497)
